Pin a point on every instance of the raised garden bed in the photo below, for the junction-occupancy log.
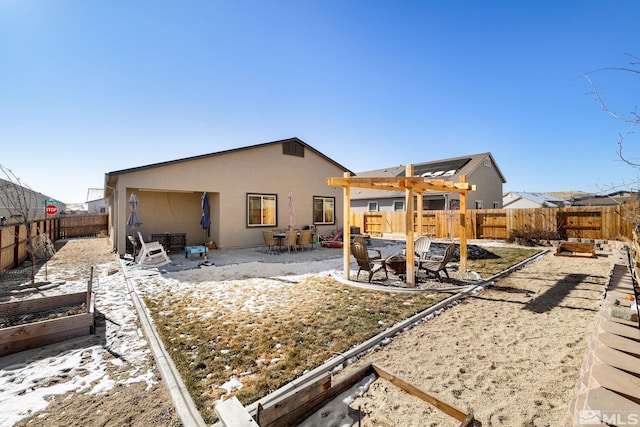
(35, 322)
(587, 250)
(311, 396)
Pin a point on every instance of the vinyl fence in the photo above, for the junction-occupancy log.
(601, 222)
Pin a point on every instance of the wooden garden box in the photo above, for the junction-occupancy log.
(576, 249)
(24, 336)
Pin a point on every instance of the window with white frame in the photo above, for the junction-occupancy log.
(478, 204)
(261, 210)
(496, 205)
(372, 206)
(324, 210)
(398, 205)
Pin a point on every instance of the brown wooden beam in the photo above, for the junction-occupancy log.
(463, 228)
(415, 391)
(409, 251)
(346, 232)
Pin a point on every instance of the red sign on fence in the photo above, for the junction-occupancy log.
(51, 209)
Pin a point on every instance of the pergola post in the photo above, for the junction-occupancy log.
(463, 227)
(409, 252)
(419, 209)
(346, 232)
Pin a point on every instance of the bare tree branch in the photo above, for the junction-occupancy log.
(632, 118)
(21, 204)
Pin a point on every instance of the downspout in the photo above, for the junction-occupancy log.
(114, 224)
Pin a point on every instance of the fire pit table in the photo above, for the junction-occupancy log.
(397, 264)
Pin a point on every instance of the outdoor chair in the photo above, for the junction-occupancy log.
(334, 241)
(290, 240)
(435, 264)
(152, 253)
(269, 240)
(363, 241)
(304, 239)
(421, 248)
(361, 254)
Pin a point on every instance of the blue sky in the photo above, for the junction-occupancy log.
(89, 87)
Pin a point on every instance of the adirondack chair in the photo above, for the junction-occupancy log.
(421, 248)
(363, 241)
(152, 253)
(361, 254)
(435, 265)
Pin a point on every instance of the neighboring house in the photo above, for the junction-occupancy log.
(96, 202)
(480, 170)
(75, 209)
(35, 201)
(522, 200)
(614, 198)
(248, 192)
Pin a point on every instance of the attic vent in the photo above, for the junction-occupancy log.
(487, 162)
(293, 148)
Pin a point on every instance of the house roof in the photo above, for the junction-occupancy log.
(218, 153)
(615, 198)
(449, 169)
(539, 198)
(95, 194)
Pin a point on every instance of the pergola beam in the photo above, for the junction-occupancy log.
(419, 185)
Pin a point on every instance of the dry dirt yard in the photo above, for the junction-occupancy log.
(511, 353)
(123, 405)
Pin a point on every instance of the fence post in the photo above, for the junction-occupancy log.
(16, 246)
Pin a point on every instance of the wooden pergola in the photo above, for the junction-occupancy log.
(411, 185)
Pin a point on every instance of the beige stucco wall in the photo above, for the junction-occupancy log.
(169, 195)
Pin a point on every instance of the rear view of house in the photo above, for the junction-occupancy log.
(250, 189)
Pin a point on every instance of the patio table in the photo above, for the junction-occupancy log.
(201, 250)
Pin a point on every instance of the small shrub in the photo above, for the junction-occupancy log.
(531, 237)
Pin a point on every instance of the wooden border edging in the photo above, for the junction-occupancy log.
(311, 398)
(415, 391)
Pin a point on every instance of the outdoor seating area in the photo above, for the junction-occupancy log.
(429, 263)
(383, 261)
(280, 241)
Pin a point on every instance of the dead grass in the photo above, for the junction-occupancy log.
(494, 260)
(269, 337)
(211, 341)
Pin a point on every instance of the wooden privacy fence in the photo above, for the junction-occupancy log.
(601, 222)
(13, 234)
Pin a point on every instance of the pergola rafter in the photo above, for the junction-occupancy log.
(416, 184)
(410, 185)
